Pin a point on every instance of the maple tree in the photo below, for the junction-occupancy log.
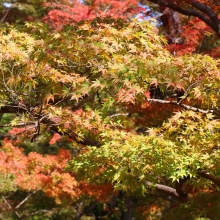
(66, 12)
(194, 36)
(104, 120)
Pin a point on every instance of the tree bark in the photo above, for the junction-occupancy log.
(127, 214)
(197, 9)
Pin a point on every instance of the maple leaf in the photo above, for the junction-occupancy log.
(49, 97)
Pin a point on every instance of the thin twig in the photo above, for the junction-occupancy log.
(118, 114)
(34, 213)
(10, 207)
(19, 124)
(5, 15)
(24, 200)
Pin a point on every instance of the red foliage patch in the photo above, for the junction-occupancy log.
(56, 137)
(46, 173)
(193, 33)
(68, 13)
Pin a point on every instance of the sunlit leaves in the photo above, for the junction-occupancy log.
(186, 145)
(93, 82)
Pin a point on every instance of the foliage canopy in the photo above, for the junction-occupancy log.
(128, 119)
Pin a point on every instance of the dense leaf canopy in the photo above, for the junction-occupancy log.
(128, 119)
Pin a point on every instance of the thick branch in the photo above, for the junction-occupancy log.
(181, 197)
(178, 192)
(204, 13)
(203, 8)
(180, 187)
(209, 176)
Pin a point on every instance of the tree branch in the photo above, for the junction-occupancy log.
(187, 107)
(10, 207)
(179, 196)
(11, 136)
(34, 213)
(209, 176)
(13, 108)
(25, 199)
(5, 15)
(179, 186)
(118, 115)
(204, 13)
(178, 192)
